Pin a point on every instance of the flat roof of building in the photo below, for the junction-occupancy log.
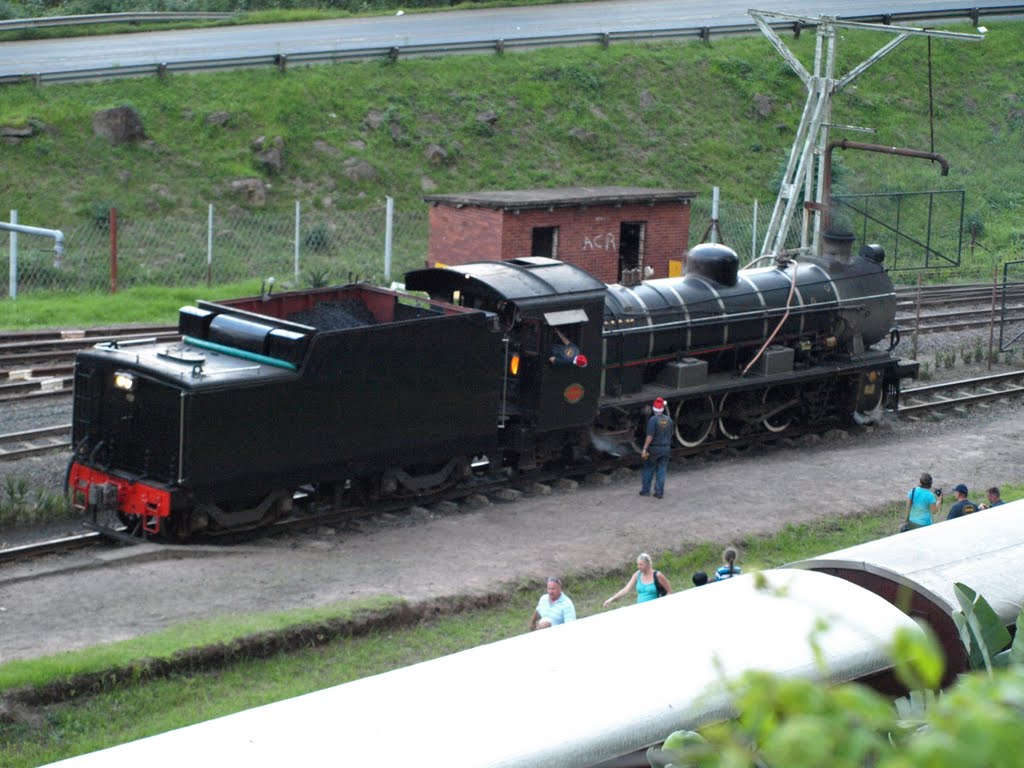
(520, 199)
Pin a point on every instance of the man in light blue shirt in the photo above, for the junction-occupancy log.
(553, 608)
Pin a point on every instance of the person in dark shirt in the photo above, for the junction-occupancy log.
(994, 499)
(656, 450)
(962, 506)
(564, 352)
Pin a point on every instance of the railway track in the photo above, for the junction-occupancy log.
(959, 320)
(916, 402)
(957, 395)
(36, 364)
(18, 445)
(50, 547)
(952, 295)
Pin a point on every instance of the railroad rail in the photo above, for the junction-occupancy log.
(916, 402)
(959, 394)
(18, 445)
(49, 547)
(974, 294)
(40, 363)
(959, 320)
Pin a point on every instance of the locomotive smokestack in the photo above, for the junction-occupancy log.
(836, 246)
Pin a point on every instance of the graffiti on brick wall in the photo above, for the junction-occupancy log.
(602, 242)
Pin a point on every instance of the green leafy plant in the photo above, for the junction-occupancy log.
(317, 278)
(804, 724)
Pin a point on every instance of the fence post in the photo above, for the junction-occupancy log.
(753, 234)
(12, 289)
(992, 319)
(113, 250)
(389, 226)
(209, 244)
(298, 226)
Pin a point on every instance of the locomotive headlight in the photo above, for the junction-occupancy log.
(124, 381)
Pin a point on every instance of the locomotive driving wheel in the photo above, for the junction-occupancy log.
(781, 407)
(739, 415)
(694, 419)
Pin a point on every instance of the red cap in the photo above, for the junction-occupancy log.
(580, 361)
(659, 404)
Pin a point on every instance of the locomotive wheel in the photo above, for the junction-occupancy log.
(694, 419)
(781, 407)
(740, 414)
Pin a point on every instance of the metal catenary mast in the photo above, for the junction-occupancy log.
(812, 136)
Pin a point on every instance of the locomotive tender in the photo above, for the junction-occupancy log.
(373, 393)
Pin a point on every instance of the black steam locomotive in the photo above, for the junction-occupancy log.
(376, 393)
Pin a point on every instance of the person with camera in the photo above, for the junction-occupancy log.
(922, 503)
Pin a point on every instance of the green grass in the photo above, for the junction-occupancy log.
(697, 127)
(165, 644)
(113, 716)
(144, 305)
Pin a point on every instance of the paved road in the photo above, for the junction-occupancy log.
(150, 48)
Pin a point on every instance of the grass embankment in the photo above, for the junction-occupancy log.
(330, 646)
(672, 115)
(144, 305)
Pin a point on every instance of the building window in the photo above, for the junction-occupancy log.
(631, 244)
(545, 242)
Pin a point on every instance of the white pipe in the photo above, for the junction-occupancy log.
(56, 234)
(14, 228)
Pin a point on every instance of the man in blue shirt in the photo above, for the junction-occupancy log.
(963, 505)
(553, 608)
(657, 447)
(994, 499)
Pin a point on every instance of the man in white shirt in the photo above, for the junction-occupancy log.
(553, 608)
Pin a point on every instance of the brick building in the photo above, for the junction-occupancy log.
(604, 230)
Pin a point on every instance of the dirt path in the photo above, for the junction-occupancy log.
(148, 588)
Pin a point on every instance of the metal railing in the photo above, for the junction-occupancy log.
(283, 60)
(141, 17)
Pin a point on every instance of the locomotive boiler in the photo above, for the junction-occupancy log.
(367, 393)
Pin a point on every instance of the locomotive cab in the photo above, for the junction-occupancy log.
(551, 315)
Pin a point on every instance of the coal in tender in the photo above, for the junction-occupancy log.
(335, 315)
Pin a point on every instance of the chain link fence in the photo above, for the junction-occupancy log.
(314, 247)
(741, 226)
(309, 248)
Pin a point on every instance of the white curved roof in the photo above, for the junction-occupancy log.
(574, 695)
(981, 550)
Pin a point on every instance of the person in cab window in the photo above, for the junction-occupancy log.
(564, 352)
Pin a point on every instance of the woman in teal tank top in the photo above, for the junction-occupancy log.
(646, 581)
